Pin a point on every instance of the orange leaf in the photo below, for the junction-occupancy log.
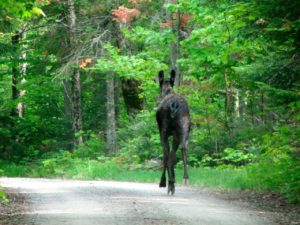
(125, 15)
(85, 62)
(167, 24)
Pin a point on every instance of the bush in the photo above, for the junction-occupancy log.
(278, 167)
(229, 156)
(92, 148)
(140, 138)
(3, 197)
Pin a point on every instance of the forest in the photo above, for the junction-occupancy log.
(79, 89)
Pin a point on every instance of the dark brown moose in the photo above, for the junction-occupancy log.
(173, 119)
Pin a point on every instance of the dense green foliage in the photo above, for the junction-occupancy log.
(240, 65)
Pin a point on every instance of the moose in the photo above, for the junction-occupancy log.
(173, 119)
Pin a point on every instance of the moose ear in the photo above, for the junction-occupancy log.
(173, 74)
(161, 76)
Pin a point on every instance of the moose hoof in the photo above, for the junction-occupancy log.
(162, 184)
(171, 189)
(186, 181)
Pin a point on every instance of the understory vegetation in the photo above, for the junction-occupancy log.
(234, 170)
(79, 90)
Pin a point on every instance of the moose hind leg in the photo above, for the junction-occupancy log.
(171, 163)
(163, 176)
(184, 158)
(166, 149)
(171, 188)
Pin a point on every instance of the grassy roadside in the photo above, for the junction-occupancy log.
(258, 177)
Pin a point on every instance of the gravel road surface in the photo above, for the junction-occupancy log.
(61, 202)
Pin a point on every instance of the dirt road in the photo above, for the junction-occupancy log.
(60, 202)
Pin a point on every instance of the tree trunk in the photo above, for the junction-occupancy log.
(228, 104)
(18, 74)
(130, 87)
(131, 92)
(23, 71)
(76, 105)
(262, 108)
(251, 107)
(237, 103)
(15, 74)
(67, 100)
(244, 100)
(75, 77)
(175, 45)
(111, 118)
(66, 85)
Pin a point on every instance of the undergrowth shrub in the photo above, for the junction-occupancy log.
(92, 148)
(229, 156)
(139, 140)
(278, 164)
(3, 198)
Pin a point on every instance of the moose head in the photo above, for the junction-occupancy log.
(166, 84)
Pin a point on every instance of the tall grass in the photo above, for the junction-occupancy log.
(263, 176)
(10, 169)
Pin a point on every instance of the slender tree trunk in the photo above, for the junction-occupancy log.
(216, 143)
(245, 104)
(262, 108)
(66, 84)
(175, 45)
(76, 103)
(15, 75)
(75, 76)
(208, 124)
(68, 112)
(130, 87)
(67, 100)
(251, 107)
(237, 103)
(131, 93)
(18, 75)
(23, 71)
(111, 118)
(178, 39)
(227, 103)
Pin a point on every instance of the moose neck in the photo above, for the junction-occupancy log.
(164, 94)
